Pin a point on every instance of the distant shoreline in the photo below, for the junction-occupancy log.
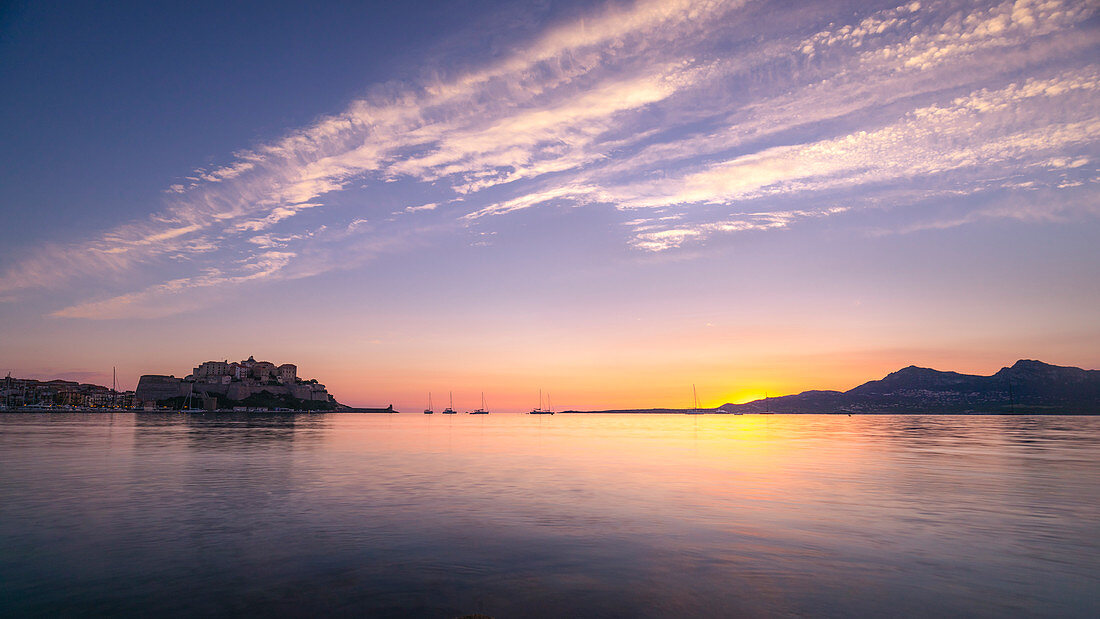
(55, 410)
(690, 412)
(644, 411)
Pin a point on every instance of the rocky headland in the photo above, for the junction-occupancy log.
(1026, 387)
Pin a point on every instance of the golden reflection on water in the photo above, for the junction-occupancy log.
(519, 515)
(764, 475)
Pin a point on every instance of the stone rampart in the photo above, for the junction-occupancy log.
(153, 387)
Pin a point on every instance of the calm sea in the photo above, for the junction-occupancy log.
(563, 516)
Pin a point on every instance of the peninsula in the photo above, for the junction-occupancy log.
(1027, 387)
(238, 385)
(223, 386)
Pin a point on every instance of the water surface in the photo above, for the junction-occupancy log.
(534, 516)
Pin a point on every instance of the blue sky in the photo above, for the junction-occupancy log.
(618, 198)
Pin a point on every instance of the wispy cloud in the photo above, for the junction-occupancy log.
(182, 294)
(653, 238)
(431, 206)
(693, 118)
(978, 130)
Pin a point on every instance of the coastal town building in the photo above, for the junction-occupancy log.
(212, 368)
(288, 373)
(210, 384)
(24, 392)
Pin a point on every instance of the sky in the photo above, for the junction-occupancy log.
(608, 201)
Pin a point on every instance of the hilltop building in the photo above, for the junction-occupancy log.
(236, 381)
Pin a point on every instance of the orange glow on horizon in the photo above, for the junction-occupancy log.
(660, 374)
(741, 396)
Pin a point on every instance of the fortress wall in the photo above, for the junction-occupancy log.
(240, 391)
(310, 392)
(237, 391)
(153, 387)
(216, 389)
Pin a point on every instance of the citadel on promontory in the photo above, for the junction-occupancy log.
(244, 384)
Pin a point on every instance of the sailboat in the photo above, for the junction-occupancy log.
(481, 411)
(694, 411)
(540, 410)
(429, 410)
(450, 410)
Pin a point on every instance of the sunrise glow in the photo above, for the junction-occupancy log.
(610, 202)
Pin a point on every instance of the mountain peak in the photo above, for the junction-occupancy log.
(1025, 369)
(914, 369)
(1026, 386)
(1031, 364)
(912, 377)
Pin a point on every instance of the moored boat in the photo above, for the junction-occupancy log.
(450, 410)
(540, 410)
(481, 411)
(694, 411)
